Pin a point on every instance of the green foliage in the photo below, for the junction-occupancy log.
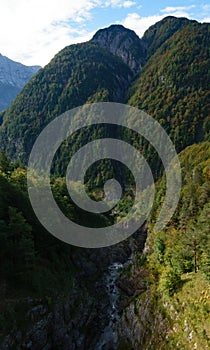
(31, 260)
(185, 244)
(170, 281)
(19, 248)
(159, 249)
(77, 75)
(4, 163)
(203, 231)
(87, 73)
(173, 86)
(187, 313)
(160, 32)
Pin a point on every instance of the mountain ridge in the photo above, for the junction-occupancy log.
(173, 86)
(13, 77)
(161, 31)
(95, 71)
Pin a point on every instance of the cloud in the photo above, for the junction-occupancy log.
(120, 3)
(205, 14)
(170, 9)
(128, 4)
(35, 29)
(206, 20)
(179, 11)
(140, 24)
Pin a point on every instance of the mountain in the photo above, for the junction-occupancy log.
(56, 295)
(123, 43)
(161, 31)
(13, 77)
(77, 75)
(150, 291)
(103, 70)
(173, 86)
(170, 314)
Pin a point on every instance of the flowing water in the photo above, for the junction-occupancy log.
(108, 339)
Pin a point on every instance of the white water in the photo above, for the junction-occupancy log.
(108, 339)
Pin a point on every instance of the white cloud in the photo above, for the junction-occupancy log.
(120, 3)
(35, 29)
(206, 20)
(205, 14)
(170, 9)
(140, 24)
(179, 11)
(128, 4)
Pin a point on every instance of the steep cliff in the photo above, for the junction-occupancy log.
(123, 43)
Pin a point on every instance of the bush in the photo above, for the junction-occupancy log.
(170, 281)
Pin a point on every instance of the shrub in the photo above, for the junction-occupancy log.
(170, 281)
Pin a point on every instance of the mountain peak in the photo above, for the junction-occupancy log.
(161, 31)
(124, 43)
(115, 28)
(15, 73)
(13, 77)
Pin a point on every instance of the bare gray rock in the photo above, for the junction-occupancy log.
(124, 43)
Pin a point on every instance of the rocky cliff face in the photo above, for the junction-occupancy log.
(123, 43)
(142, 323)
(13, 77)
(88, 317)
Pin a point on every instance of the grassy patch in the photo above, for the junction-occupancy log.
(189, 310)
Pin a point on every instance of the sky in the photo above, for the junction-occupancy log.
(33, 31)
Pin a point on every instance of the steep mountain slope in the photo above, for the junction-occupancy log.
(13, 77)
(173, 86)
(49, 291)
(173, 312)
(78, 74)
(123, 43)
(157, 34)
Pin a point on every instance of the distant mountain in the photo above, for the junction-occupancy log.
(13, 77)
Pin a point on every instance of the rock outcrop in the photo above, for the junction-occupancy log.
(123, 43)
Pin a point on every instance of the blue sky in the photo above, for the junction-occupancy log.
(35, 30)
